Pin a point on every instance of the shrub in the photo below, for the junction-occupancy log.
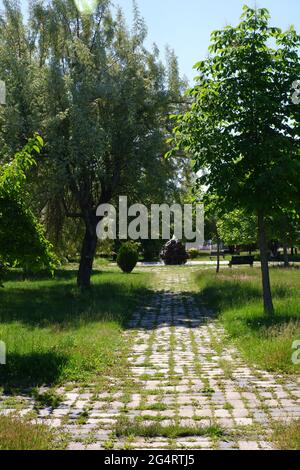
(193, 253)
(174, 253)
(128, 257)
(151, 249)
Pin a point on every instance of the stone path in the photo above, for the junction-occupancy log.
(187, 387)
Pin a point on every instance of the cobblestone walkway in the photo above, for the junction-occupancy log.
(187, 387)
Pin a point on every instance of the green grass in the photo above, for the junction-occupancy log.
(287, 437)
(49, 399)
(154, 407)
(54, 333)
(127, 428)
(19, 434)
(236, 296)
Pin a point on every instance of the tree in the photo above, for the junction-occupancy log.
(22, 238)
(102, 102)
(238, 228)
(212, 216)
(285, 226)
(19, 118)
(243, 127)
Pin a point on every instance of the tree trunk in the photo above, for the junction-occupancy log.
(286, 256)
(218, 255)
(88, 251)
(263, 246)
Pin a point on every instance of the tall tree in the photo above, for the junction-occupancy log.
(238, 228)
(102, 103)
(285, 226)
(16, 118)
(243, 127)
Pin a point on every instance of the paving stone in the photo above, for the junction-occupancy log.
(248, 445)
(76, 446)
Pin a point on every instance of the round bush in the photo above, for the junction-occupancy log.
(127, 257)
(174, 253)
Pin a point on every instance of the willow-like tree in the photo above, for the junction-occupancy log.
(243, 127)
(101, 101)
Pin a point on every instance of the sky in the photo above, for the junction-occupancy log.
(185, 25)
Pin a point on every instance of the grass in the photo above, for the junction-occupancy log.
(19, 434)
(47, 399)
(154, 407)
(236, 296)
(55, 334)
(287, 437)
(127, 428)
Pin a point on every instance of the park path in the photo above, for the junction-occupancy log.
(186, 383)
(184, 376)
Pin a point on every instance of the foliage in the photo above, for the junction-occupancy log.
(22, 237)
(128, 257)
(151, 249)
(285, 226)
(238, 228)
(102, 101)
(243, 128)
(193, 253)
(174, 253)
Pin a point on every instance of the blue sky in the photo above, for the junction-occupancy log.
(185, 25)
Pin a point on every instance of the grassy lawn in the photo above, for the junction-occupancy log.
(236, 296)
(18, 434)
(55, 334)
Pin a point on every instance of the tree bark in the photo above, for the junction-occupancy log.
(263, 246)
(218, 255)
(286, 256)
(88, 251)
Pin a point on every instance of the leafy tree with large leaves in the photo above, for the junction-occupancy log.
(237, 228)
(243, 127)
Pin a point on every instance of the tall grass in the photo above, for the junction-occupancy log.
(20, 434)
(287, 436)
